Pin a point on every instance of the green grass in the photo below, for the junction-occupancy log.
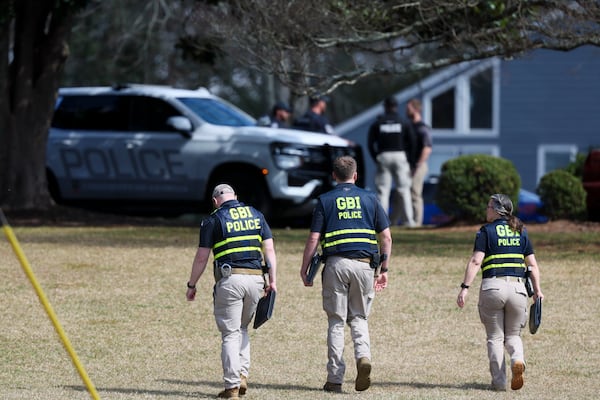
(119, 294)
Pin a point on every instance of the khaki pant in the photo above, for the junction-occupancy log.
(235, 300)
(348, 294)
(416, 192)
(503, 312)
(393, 167)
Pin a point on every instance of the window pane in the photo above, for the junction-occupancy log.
(150, 114)
(557, 160)
(481, 100)
(216, 112)
(91, 113)
(442, 113)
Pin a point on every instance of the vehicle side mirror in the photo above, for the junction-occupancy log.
(181, 124)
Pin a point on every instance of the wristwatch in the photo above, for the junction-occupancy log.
(191, 286)
(462, 285)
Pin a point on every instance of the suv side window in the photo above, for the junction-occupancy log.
(150, 114)
(98, 113)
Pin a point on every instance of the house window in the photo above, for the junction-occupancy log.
(466, 102)
(554, 156)
(442, 114)
(481, 86)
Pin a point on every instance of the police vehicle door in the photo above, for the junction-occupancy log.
(86, 147)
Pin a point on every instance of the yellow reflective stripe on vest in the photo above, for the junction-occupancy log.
(505, 264)
(346, 231)
(236, 250)
(237, 239)
(329, 243)
(234, 239)
(351, 240)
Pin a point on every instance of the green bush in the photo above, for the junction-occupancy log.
(562, 195)
(576, 167)
(467, 182)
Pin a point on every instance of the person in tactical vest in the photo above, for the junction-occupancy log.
(502, 252)
(278, 118)
(240, 238)
(390, 141)
(314, 118)
(354, 233)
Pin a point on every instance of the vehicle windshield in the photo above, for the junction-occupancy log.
(216, 112)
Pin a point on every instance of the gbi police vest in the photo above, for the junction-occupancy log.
(504, 255)
(241, 232)
(348, 226)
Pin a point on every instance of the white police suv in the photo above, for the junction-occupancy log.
(143, 145)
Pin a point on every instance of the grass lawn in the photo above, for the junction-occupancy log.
(119, 293)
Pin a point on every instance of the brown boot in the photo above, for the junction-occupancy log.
(517, 375)
(363, 377)
(232, 393)
(243, 385)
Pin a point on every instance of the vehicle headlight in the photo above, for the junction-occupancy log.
(288, 156)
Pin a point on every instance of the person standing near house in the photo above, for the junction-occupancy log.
(390, 142)
(279, 117)
(502, 251)
(314, 119)
(354, 233)
(418, 157)
(240, 238)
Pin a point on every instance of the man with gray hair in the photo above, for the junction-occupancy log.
(240, 239)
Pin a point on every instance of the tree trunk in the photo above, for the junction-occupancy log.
(29, 83)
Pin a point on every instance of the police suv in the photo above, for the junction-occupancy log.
(145, 145)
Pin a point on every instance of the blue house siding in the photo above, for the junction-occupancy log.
(548, 106)
(548, 98)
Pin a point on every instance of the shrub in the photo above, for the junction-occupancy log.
(467, 182)
(576, 167)
(562, 195)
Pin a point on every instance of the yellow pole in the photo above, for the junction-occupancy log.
(29, 272)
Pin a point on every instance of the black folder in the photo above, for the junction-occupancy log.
(535, 316)
(313, 267)
(264, 309)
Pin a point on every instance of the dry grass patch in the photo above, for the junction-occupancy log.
(120, 295)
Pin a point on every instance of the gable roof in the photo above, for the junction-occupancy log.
(415, 90)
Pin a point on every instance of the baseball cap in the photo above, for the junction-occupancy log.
(390, 102)
(282, 106)
(315, 99)
(222, 189)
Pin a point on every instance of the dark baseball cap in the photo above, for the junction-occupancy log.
(390, 102)
(282, 106)
(315, 99)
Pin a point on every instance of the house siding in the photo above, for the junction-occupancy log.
(545, 98)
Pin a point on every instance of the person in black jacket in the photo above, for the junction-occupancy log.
(390, 142)
(314, 119)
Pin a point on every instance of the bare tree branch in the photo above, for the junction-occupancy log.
(315, 45)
